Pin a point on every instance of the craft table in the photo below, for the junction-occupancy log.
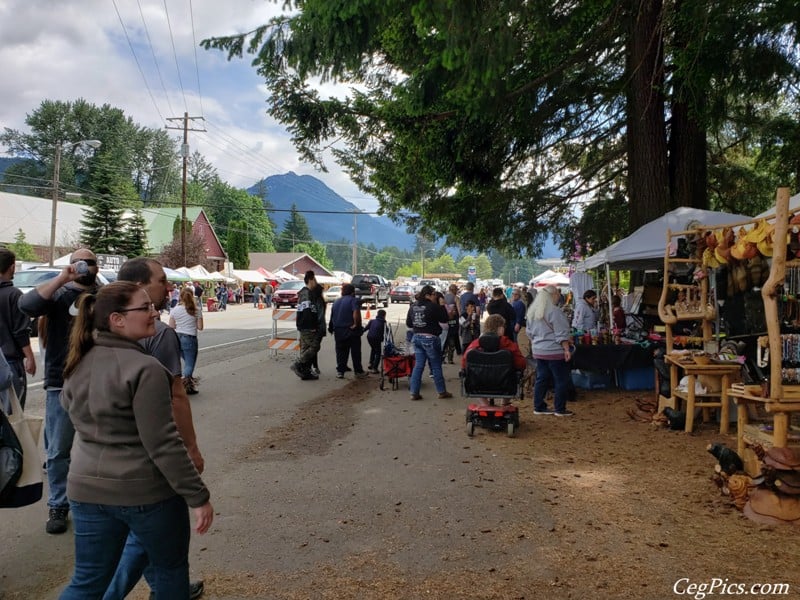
(607, 357)
(723, 372)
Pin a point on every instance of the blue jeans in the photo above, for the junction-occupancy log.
(427, 347)
(558, 372)
(189, 353)
(58, 435)
(100, 534)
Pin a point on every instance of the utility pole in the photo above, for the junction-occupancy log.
(185, 153)
(355, 242)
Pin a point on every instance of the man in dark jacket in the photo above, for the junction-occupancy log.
(310, 321)
(499, 305)
(345, 324)
(55, 298)
(15, 339)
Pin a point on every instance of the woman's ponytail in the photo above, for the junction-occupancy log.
(81, 337)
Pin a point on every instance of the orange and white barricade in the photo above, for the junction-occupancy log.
(285, 341)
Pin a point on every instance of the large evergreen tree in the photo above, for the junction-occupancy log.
(295, 231)
(135, 235)
(237, 244)
(520, 110)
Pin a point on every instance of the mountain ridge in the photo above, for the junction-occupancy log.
(329, 216)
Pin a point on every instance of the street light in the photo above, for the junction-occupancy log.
(56, 169)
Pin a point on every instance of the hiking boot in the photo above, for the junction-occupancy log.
(444, 395)
(297, 370)
(57, 520)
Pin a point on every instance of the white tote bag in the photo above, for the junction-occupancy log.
(28, 488)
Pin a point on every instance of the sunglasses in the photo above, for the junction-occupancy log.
(143, 308)
(89, 261)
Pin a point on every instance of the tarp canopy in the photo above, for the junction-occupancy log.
(223, 277)
(327, 280)
(246, 276)
(173, 275)
(268, 275)
(794, 204)
(546, 275)
(645, 247)
(284, 276)
(557, 279)
(199, 273)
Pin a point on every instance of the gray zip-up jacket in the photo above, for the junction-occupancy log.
(127, 451)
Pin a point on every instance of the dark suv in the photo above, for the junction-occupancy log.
(371, 289)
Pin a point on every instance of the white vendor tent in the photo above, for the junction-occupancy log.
(247, 276)
(645, 247)
(541, 276)
(794, 204)
(557, 279)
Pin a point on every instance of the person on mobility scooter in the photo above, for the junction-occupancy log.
(492, 368)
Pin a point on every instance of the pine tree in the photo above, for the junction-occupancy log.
(22, 249)
(135, 235)
(295, 231)
(237, 246)
(102, 226)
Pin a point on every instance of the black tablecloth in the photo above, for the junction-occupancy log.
(612, 356)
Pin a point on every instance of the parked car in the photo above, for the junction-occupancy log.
(28, 279)
(402, 293)
(371, 289)
(333, 293)
(286, 294)
(431, 282)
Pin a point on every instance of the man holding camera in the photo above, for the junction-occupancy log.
(55, 299)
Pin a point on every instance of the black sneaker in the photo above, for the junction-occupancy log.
(339, 375)
(297, 370)
(310, 376)
(564, 413)
(543, 411)
(57, 520)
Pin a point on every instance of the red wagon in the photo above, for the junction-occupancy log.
(395, 367)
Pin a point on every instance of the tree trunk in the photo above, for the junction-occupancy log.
(688, 158)
(648, 182)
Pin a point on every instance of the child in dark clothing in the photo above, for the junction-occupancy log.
(375, 332)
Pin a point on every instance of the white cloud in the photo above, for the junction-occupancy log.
(56, 50)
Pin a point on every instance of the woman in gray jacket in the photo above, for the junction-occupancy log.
(549, 331)
(130, 470)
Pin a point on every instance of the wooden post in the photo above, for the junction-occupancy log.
(769, 292)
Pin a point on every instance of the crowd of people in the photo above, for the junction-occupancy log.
(118, 425)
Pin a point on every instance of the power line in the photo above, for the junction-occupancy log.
(196, 66)
(175, 54)
(155, 60)
(135, 58)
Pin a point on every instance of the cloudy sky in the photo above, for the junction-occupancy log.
(142, 56)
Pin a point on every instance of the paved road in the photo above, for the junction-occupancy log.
(317, 481)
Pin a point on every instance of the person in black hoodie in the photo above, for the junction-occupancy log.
(310, 321)
(424, 317)
(499, 305)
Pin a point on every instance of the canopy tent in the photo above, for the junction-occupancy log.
(645, 247)
(223, 277)
(794, 204)
(558, 279)
(173, 275)
(268, 275)
(546, 275)
(197, 273)
(246, 276)
(284, 276)
(327, 280)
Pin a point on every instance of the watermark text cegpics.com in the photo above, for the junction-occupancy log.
(723, 587)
